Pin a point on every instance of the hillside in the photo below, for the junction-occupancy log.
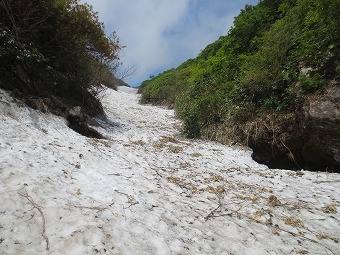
(146, 190)
(262, 83)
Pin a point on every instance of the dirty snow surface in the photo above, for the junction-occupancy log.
(146, 190)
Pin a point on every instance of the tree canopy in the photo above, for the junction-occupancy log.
(54, 47)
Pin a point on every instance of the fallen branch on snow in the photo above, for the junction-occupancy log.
(36, 206)
(98, 208)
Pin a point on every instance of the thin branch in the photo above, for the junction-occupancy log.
(10, 15)
(36, 206)
(211, 214)
(318, 182)
(131, 204)
(127, 72)
(98, 208)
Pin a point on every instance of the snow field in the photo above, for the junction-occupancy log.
(146, 190)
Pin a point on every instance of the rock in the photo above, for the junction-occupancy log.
(322, 132)
(77, 112)
(306, 140)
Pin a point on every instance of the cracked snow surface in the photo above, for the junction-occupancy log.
(147, 190)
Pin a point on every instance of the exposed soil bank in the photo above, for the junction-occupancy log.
(308, 140)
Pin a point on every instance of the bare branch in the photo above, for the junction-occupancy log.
(36, 206)
(128, 72)
(98, 208)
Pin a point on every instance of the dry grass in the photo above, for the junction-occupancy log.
(138, 142)
(175, 149)
(164, 140)
(168, 139)
(293, 222)
(172, 179)
(194, 190)
(158, 145)
(254, 199)
(258, 214)
(96, 142)
(265, 190)
(326, 236)
(191, 175)
(329, 209)
(273, 201)
(184, 165)
(196, 155)
(216, 178)
(215, 190)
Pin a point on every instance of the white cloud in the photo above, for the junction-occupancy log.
(160, 34)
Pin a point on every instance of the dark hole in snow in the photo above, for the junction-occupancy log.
(75, 123)
(78, 121)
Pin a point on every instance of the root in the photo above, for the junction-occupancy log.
(291, 155)
(36, 206)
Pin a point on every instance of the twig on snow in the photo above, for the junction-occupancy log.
(211, 214)
(36, 206)
(98, 208)
(131, 204)
(327, 181)
(131, 199)
(158, 173)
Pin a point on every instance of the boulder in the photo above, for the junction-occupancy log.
(322, 130)
(309, 139)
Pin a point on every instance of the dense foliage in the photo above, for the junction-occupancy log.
(276, 54)
(54, 47)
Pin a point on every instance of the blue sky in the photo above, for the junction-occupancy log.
(161, 34)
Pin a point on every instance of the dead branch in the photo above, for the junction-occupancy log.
(130, 199)
(318, 182)
(131, 204)
(99, 208)
(211, 214)
(237, 212)
(127, 72)
(158, 173)
(122, 193)
(36, 206)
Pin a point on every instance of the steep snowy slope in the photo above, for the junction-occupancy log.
(145, 190)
